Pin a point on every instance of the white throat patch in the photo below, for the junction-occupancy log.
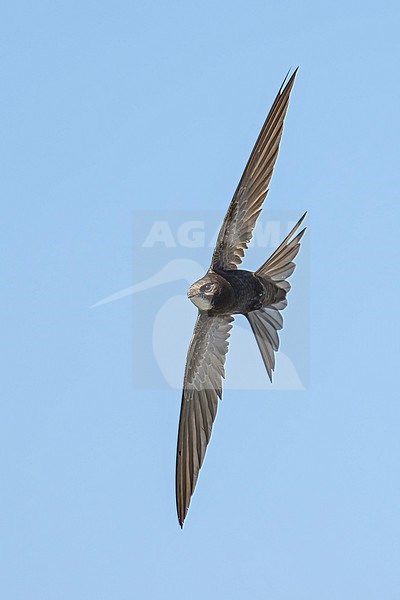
(203, 303)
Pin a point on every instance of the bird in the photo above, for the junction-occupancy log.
(226, 290)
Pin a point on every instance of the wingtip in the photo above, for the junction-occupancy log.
(302, 218)
(181, 519)
(295, 71)
(288, 81)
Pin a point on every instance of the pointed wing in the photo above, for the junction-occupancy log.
(201, 388)
(280, 265)
(246, 204)
(267, 321)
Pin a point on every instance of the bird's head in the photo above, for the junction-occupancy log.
(205, 292)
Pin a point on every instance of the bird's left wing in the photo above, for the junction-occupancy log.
(240, 219)
(201, 388)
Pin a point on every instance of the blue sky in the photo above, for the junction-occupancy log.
(109, 109)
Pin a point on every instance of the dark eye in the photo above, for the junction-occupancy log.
(206, 287)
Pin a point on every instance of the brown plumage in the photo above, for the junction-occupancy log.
(225, 291)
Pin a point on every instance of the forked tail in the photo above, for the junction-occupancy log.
(266, 322)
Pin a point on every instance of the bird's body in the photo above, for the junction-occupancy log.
(226, 290)
(237, 291)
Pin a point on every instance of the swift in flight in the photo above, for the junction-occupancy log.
(225, 291)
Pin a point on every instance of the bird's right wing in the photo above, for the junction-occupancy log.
(240, 219)
(266, 322)
(201, 388)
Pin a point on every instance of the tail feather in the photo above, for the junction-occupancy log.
(266, 322)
